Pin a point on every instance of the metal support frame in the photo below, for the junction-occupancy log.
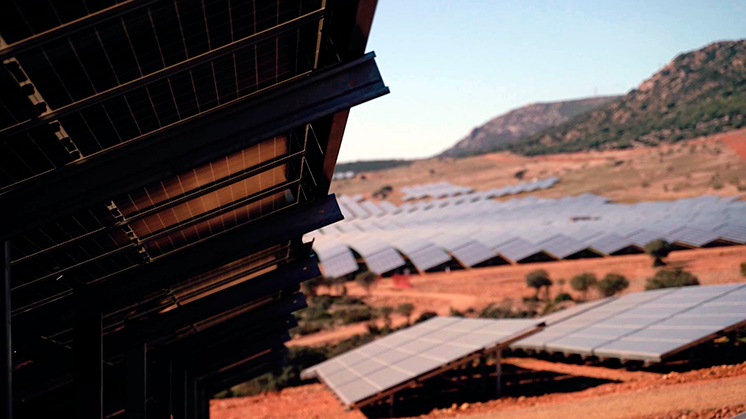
(88, 365)
(6, 382)
(128, 286)
(111, 173)
(499, 371)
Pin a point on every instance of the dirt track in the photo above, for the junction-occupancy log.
(476, 288)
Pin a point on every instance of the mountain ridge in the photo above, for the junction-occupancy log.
(699, 92)
(521, 122)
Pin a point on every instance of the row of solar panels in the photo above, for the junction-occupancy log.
(650, 326)
(473, 232)
(445, 189)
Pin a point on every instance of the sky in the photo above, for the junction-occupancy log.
(452, 65)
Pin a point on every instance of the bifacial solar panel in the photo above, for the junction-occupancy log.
(384, 261)
(561, 246)
(473, 253)
(428, 257)
(339, 265)
(373, 369)
(649, 326)
(518, 249)
(610, 243)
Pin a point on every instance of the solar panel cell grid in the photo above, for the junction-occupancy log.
(412, 352)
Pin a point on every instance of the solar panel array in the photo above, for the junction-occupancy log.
(648, 326)
(445, 189)
(404, 356)
(471, 229)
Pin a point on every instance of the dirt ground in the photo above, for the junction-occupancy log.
(476, 288)
(717, 392)
(708, 165)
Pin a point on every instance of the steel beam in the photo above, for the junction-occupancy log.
(129, 286)
(232, 298)
(88, 365)
(6, 346)
(132, 165)
(246, 323)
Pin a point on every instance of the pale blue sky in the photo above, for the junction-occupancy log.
(453, 64)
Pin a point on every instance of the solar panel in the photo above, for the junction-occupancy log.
(561, 246)
(384, 261)
(339, 265)
(693, 236)
(610, 243)
(473, 253)
(428, 257)
(381, 366)
(649, 326)
(518, 249)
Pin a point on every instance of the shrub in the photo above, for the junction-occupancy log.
(366, 280)
(612, 284)
(583, 282)
(538, 279)
(658, 249)
(427, 315)
(355, 315)
(743, 269)
(455, 313)
(406, 310)
(310, 287)
(666, 278)
(386, 314)
(563, 296)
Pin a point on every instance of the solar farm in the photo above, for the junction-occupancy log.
(460, 228)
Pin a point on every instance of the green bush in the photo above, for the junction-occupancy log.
(406, 310)
(583, 282)
(355, 315)
(743, 269)
(366, 280)
(658, 249)
(666, 278)
(455, 313)
(426, 315)
(563, 296)
(612, 284)
(538, 279)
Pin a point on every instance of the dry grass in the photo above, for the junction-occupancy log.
(709, 165)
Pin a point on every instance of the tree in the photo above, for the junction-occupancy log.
(658, 249)
(341, 285)
(666, 278)
(311, 287)
(612, 284)
(386, 314)
(538, 279)
(366, 280)
(406, 310)
(583, 283)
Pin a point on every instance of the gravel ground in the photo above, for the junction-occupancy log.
(717, 392)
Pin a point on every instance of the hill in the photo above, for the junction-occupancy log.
(698, 93)
(522, 122)
(370, 165)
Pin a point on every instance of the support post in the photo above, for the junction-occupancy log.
(179, 393)
(391, 406)
(483, 372)
(6, 383)
(136, 363)
(164, 390)
(88, 365)
(499, 370)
